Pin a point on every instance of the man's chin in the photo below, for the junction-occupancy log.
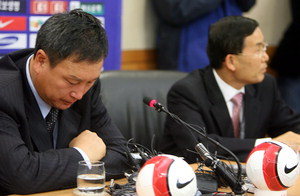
(64, 106)
(260, 79)
(257, 80)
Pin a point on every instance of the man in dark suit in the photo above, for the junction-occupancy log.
(62, 75)
(238, 64)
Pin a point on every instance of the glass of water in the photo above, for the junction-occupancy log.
(90, 178)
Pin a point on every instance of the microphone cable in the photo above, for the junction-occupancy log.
(160, 108)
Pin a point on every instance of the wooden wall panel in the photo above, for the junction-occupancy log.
(138, 60)
(146, 59)
(271, 51)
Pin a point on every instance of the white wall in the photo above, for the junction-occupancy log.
(273, 16)
(139, 22)
(138, 25)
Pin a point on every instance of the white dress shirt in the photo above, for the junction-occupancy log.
(228, 93)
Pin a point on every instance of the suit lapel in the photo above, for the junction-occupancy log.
(37, 125)
(219, 108)
(220, 112)
(250, 109)
(69, 122)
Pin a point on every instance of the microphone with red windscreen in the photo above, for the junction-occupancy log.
(234, 181)
(154, 104)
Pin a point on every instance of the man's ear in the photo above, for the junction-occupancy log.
(230, 62)
(41, 57)
(40, 60)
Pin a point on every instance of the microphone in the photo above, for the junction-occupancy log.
(160, 108)
(220, 168)
(154, 104)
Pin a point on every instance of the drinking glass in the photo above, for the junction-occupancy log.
(90, 178)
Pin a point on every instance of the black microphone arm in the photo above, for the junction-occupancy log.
(235, 182)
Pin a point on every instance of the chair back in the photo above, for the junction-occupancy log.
(123, 92)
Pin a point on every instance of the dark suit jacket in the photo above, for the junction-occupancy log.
(286, 57)
(198, 100)
(28, 163)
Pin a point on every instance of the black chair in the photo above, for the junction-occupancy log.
(123, 92)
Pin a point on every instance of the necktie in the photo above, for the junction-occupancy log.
(51, 118)
(237, 103)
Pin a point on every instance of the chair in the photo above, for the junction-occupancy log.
(123, 92)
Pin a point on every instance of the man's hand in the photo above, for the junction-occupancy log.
(91, 144)
(289, 138)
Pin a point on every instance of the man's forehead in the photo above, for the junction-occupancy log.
(255, 39)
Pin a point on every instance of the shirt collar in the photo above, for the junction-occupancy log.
(227, 90)
(44, 107)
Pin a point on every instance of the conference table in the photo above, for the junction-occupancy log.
(292, 191)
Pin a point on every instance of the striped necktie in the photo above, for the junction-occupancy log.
(237, 103)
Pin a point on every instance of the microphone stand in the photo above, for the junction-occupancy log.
(215, 164)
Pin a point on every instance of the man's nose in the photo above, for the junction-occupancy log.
(78, 92)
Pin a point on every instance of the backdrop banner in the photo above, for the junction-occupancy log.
(21, 19)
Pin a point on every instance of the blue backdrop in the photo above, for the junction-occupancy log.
(21, 19)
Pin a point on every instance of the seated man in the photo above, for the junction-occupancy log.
(238, 64)
(60, 75)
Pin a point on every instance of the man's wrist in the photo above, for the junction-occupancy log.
(83, 154)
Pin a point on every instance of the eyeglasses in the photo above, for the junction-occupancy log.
(259, 53)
